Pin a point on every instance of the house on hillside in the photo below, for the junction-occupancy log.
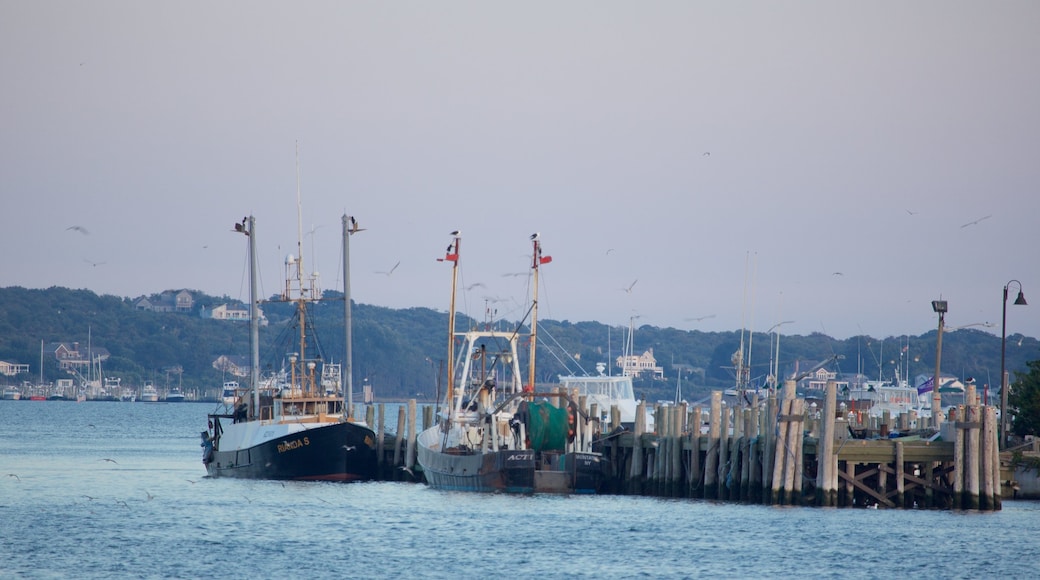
(636, 366)
(167, 301)
(233, 312)
(12, 369)
(237, 366)
(73, 358)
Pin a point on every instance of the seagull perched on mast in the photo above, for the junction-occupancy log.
(354, 226)
(241, 227)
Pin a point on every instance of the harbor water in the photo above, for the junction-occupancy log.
(118, 490)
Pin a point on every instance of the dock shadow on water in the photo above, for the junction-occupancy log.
(151, 512)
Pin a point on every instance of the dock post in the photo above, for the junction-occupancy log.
(991, 458)
(826, 460)
(693, 477)
(636, 474)
(399, 438)
(769, 446)
(972, 465)
(780, 456)
(724, 441)
(711, 455)
(380, 431)
(900, 475)
(409, 456)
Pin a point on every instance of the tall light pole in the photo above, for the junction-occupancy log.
(939, 306)
(1020, 301)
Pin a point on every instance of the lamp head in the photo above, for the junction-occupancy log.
(1021, 300)
(939, 306)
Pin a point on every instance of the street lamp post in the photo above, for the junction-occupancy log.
(939, 306)
(1020, 301)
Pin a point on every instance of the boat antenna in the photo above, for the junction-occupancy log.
(536, 260)
(452, 255)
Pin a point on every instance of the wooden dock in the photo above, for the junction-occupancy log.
(779, 452)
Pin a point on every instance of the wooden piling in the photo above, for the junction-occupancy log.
(826, 460)
(409, 457)
(711, 455)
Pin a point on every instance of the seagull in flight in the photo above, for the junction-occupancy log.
(92, 263)
(391, 269)
(976, 221)
(109, 460)
(911, 212)
(15, 475)
(630, 286)
(700, 318)
(838, 274)
(475, 285)
(79, 229)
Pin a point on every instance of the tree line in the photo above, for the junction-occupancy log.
(401, 352)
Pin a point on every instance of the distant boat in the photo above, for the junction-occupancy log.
(228, 394)
(495, 435)
(606, 392)
(128, 395)
(11, 394)
(175, 395)
(288, 428)
(149, 394)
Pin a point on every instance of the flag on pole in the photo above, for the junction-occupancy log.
(926, 386)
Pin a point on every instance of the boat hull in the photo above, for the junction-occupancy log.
(325, 452)
(512, 471)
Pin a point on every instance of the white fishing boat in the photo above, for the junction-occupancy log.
(149, 394)
(12, 393)
(287, 426)
(493, 433)
(607, 391)
(228, 393)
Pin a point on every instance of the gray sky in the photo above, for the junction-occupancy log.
(700, 148)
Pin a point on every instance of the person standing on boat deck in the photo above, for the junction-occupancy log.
(207, 447)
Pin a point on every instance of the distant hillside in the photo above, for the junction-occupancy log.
(399, 352)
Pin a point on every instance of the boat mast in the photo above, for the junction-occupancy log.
(536, 259)
(305, 385)
(452, 255)
(254, 317)
(348, 385)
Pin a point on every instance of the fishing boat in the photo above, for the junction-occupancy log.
(12, 393)
(495, 434)
(228, 394)
(149, 394)
(606, 392)
(286, 426)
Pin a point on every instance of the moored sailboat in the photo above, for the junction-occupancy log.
(495, 434)
(288, 427)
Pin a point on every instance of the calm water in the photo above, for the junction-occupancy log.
(151, 512)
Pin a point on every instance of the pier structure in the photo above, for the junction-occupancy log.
(777, 450)
(782, 452)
